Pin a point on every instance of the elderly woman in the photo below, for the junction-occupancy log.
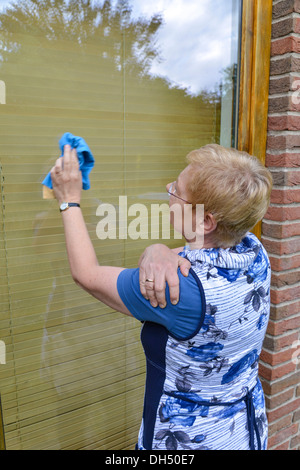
(204, 307)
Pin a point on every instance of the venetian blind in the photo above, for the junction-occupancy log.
(74, 373)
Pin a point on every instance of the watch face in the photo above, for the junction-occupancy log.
(64, 206)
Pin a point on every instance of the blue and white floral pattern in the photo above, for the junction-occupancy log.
(220, 363)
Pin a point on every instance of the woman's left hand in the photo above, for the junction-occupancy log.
(158, 266)
(66, 177)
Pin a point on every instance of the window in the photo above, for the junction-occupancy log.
(144, 83)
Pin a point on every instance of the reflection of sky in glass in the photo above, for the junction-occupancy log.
(3, 4)
(197, 40)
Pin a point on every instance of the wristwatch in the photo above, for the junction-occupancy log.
(65, 205)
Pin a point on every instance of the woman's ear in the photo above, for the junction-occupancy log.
(210, 223)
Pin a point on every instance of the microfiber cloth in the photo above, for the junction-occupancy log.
(85, 157)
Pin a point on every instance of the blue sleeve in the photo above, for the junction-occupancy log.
(182, 320)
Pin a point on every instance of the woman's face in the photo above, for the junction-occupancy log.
(181, 213)
(179, 187)
(191, 220)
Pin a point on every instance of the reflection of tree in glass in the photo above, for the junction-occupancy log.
(82, 23)
(97, 52)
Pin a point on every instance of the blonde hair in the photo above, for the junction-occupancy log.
(234, 186)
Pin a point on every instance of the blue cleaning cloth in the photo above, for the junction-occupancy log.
(85, 157)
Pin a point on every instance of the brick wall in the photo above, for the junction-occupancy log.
(280, 359)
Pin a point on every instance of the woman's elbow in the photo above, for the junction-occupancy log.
(77, 282)
(82, 281)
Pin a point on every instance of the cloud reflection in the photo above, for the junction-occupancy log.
(196, 41)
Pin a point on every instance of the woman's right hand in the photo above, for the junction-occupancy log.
(158, 265)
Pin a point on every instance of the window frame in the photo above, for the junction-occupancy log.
(254, 79)
(2, 436)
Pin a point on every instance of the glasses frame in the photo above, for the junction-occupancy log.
(172, 193)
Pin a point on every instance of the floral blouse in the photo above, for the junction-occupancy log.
(203, 392)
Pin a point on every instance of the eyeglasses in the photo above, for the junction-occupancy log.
(172, 191)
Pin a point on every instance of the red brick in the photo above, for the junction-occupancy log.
(284, 27)
(296, 416)
(285, 295)
(290, 177)
(280, 424)
(293, 178)
(285, 103)
(265, 372)
(274, 373)
(285, 196)
(295, 442)
(283, 141)
(280, 312)
(281, 371)
(274, 388)
(280, 230)
(281, 247)
(284, 446)
(282, 435)
(283, 123)
(271, 229)
(284, 45)
(282, 326)
(283, 410)
(283, 160)
(276, 401)
(283, 213)
(284, 263)
(274, 359)
(284, 64)
(280, 84)
(284, 279)
(278, 343)
(285, 7)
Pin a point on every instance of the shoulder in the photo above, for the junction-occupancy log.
(182, 320)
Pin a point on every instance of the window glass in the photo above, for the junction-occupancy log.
(143, 83)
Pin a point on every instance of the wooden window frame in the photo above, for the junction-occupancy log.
(254, 79)
(2, 437)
